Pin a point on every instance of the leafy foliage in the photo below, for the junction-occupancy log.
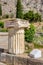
(19, 13)
(37, 17)
(1, 24)
(29, 34)
(31, 16)
(2, 29)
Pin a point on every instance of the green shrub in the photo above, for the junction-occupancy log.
(37, 17)
(29, 16)
(19, 12)
(1, 24)
(4, 30)
(0, 10)
(29, 34)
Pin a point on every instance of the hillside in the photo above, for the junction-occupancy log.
(9, 6)
(36, 5)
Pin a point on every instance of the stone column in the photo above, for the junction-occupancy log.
(18, 42)
(10, 40)
(16, 35)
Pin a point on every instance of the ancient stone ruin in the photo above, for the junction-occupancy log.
(16, 35)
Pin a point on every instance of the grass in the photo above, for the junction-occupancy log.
(38, 46)
(27, 48)
(28, 51)
(4, 30)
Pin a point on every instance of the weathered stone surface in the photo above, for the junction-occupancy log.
(7, 58)
(10, 7)
(15, 60)
(3, 57)
(17, 23)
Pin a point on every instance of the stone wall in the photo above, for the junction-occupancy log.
(27, 61)
(3, 40)
(15, 60)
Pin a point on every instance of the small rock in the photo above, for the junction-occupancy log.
(35, 53)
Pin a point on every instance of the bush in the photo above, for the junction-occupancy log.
(29, 34)
(19, 13)
(29, 16)
(37, 17)
(4, 30)
(0, 10)
(1, 24)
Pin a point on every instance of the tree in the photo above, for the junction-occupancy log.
(19, 12)
(0, 10)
